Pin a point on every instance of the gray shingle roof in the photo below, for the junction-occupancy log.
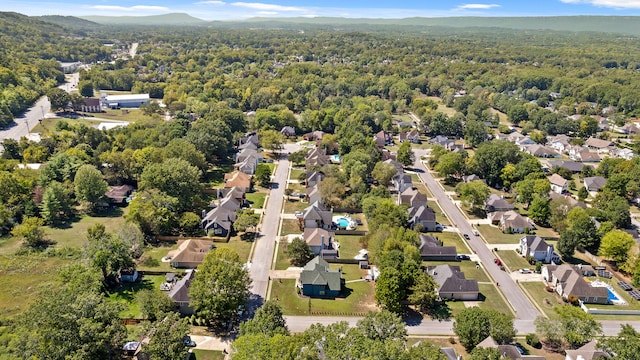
(317, 272)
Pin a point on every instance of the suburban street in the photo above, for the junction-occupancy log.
(523, 308)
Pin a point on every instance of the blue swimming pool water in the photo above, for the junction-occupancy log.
(612, 296)
(342, 222)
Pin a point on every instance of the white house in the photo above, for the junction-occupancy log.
(558, 184)
(536, 247)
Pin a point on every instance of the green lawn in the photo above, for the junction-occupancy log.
(513, 260)
(452, 239)
(349, 245)
(358, 301)
(440, 216)
(123, 115)
(282, 262)
(256, 199)
(466, 266)
(48, 126)
(545, 300)
(156, 253)
(296, 173)
(125, 294)
(291, 206)
(75, 234)
(242, 247)
(492, 299)
(493, 235)
(24, 279)
(215, 176)
(297, 187)
(290, 226)
(197, 354)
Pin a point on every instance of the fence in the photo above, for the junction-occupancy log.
(343, 261)
(167, 238)
(347, 210)
(351, 232)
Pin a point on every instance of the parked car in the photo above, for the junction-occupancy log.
(189, 342)
(466, 236)
(525, 271)
(463, 257)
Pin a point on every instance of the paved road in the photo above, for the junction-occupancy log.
(520, 303)
(298, 324)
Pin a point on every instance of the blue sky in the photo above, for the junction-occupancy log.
(230, 9)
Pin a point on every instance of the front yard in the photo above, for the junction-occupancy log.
(514, 261)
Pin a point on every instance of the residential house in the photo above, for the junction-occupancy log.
(431, 249)
(600, 145)
(443, 141)
(238, 180)
(507, 351)
(180, 293)
(560, 143)
(247, 153)
(586, 156)
(588, 351)
(318, 239)
(395, 164)
(318, 280)
(452, 283)
(558, 184)
(402, 182)
(119, 194)
(91, 105)
(572, 202)
(524, 141)
(313, 195)
(624, 153)
(537, 248)
(470, 178)
(248, 145)
(411, 197)
(219, 221)
(449, 353)
(594, 183)
(383, 138)
(424, 216)
(316, 157)
(574, 167)
(538, 150)
(629, 128)
(512, 222)
(313, 136)
(249, 165)
(412, 136)
(233, 193)
(288, 131)
(251, 137)
(316, 216)
(313, 178)
(497, 203)
(190, 253)
(569, 282)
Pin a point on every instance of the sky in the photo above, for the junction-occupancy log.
(235, 10)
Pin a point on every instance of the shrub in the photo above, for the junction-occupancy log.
(533, 340)
(452, 340)
(149, 261)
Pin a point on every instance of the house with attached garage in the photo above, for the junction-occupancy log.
(594, 183)
(451, 283)
(318, 239)
(190, 253)
(411, 197)
(569, 282)
(316, 216)
(431, 249)
(588, 351)
(512, 222)
(559, 184)
(423, 216)
(507, 351)
(318, 280)
(219, 221)
(239, 180)
(537, 248)
(497, 203)
(179, 293)
(402, 182)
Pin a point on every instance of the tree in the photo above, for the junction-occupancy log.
(298, 157)
(451, 164)
(55, 207)
(154, 304)
(271, 139)
(331, 191)
(89, 185)
(59, 98)
(613, 208)
(423, 292)
(481, 353)
(154, 212)
(108, 253)
(382, 326)
(540, 211)
(615, 245)
(578, 326)
(86, 88)
(583, 193)
(473, 194)
(491, 157)
(551, 332)
(166, 340)
(70, 325)
(625, 345)
(475, 132)
(405, 154)
(268, 320)
(246, 219)
(213, 138)
(262, 346)
(180, 148)
(298, 252)
(30, 231)
(263, 175)
(383, 173)
(220, 287)
(176, 178)
(472, 325)
(388, 290)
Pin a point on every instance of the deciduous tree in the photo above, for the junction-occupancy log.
(167, 336)
(473, 194)
(405, 154)
(298, 252)
(615, 245)
(89, 186)
(30, 231)
(472, 325)
(268, 320)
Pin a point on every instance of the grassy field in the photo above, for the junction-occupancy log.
(440, 217)
(503, 117)
(349, 245)
(24, 279)
(452, 239)
(290, 226)
(466, 266)
(358, 299)
(545, 300)
(123, 115)
(493, 235)
(75, 234)
(256, 199)
(443, 108)
(197, 354)
(282, 262)
(48, 126)
(125, 294)
(513, 260)
(157, 253)
(291, 206)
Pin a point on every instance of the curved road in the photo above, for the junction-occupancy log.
(523, 308)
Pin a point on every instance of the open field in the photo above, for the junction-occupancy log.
(359, 296)
(24, 279)
(76, 234)
(443, 108)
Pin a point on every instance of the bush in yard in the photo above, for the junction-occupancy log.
(532, 339)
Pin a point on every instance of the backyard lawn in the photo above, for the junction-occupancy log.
(155, 255)
(24, 279)
(215, 176)
(349, 245)
(75, 234)
(125, 294)
(358, 301)
(197, 354)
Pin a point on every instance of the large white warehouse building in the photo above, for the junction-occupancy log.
(124, 101)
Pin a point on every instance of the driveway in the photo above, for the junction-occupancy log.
(523, 308)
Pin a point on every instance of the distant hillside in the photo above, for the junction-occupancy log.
(609, 24)
(174, 19)
(14, 25)
(69, 22)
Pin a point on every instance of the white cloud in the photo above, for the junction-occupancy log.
(477, 6)
(267, 7)
(267, 13)
(616, 4)
(210, 2)
(130, 8)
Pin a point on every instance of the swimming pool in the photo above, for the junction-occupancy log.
(612, 297)
(343, 222)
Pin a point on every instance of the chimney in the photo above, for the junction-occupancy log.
(322, 241)
(204, 213)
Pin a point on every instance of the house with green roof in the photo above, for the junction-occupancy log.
(318, 280)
